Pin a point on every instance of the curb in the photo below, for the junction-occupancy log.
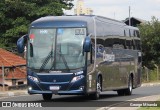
(150, 84)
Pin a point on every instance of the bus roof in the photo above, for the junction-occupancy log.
(105, 25)
(84, 20)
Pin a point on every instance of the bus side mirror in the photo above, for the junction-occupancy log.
(20, 43)
(87, 44)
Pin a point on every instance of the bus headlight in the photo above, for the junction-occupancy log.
(76, 78)
(33, 78)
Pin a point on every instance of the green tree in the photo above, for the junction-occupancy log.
(16, 15)
(150, 35)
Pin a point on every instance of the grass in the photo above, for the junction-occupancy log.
(152, 76)
(149, 108)
(151, 81)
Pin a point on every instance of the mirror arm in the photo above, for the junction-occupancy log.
(91, 54)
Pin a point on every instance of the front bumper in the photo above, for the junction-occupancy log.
(71, 92)
(66, 88)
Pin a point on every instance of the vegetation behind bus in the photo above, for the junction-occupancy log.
(150, 36)
(16, 15)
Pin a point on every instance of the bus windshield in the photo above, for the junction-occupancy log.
(56, 49)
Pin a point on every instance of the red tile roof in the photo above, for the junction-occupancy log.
(17, 74)
(9, 59)
(14, 62)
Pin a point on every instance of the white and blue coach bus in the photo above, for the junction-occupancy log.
(81, 55)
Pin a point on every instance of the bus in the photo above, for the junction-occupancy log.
(81, 55)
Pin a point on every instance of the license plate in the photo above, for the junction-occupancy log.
(53, 88)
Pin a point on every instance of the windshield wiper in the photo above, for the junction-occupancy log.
(64, 60)
(46, 61)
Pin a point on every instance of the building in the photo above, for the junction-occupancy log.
(81, 9)
(134, 21)
(14, 69)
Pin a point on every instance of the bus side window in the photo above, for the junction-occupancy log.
(124, 33)
(91, 56)
(118, 46)
(135, 34)
(130, 33)
(130, 44)
(138, 34)
(138, 45)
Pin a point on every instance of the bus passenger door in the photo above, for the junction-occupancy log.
(91, 74)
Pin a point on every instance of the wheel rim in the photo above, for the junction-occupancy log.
(98, 87)
(130, 86)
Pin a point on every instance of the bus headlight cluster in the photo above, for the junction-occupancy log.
(76, 78)
(33, 78)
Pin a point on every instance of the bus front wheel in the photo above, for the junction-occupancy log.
(96, 95)
(47, 96)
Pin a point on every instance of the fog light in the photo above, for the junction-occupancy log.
(29, 88)
(81, 87)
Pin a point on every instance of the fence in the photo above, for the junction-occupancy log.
(150, 75)
(18, 87)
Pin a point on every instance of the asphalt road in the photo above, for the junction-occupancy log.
(83, 103)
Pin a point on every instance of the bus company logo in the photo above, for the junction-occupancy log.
(6, 104)
(54, 81)
(108, 57)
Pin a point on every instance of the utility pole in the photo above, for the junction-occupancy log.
(157, 71)
(129, 16)
(146, 71)
(3, 75)
(114, 15)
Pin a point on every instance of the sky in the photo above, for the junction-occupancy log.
(119, 9)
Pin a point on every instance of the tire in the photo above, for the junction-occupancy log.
(96, 95)
(128, 91)
(47, 96)
(121, 92)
